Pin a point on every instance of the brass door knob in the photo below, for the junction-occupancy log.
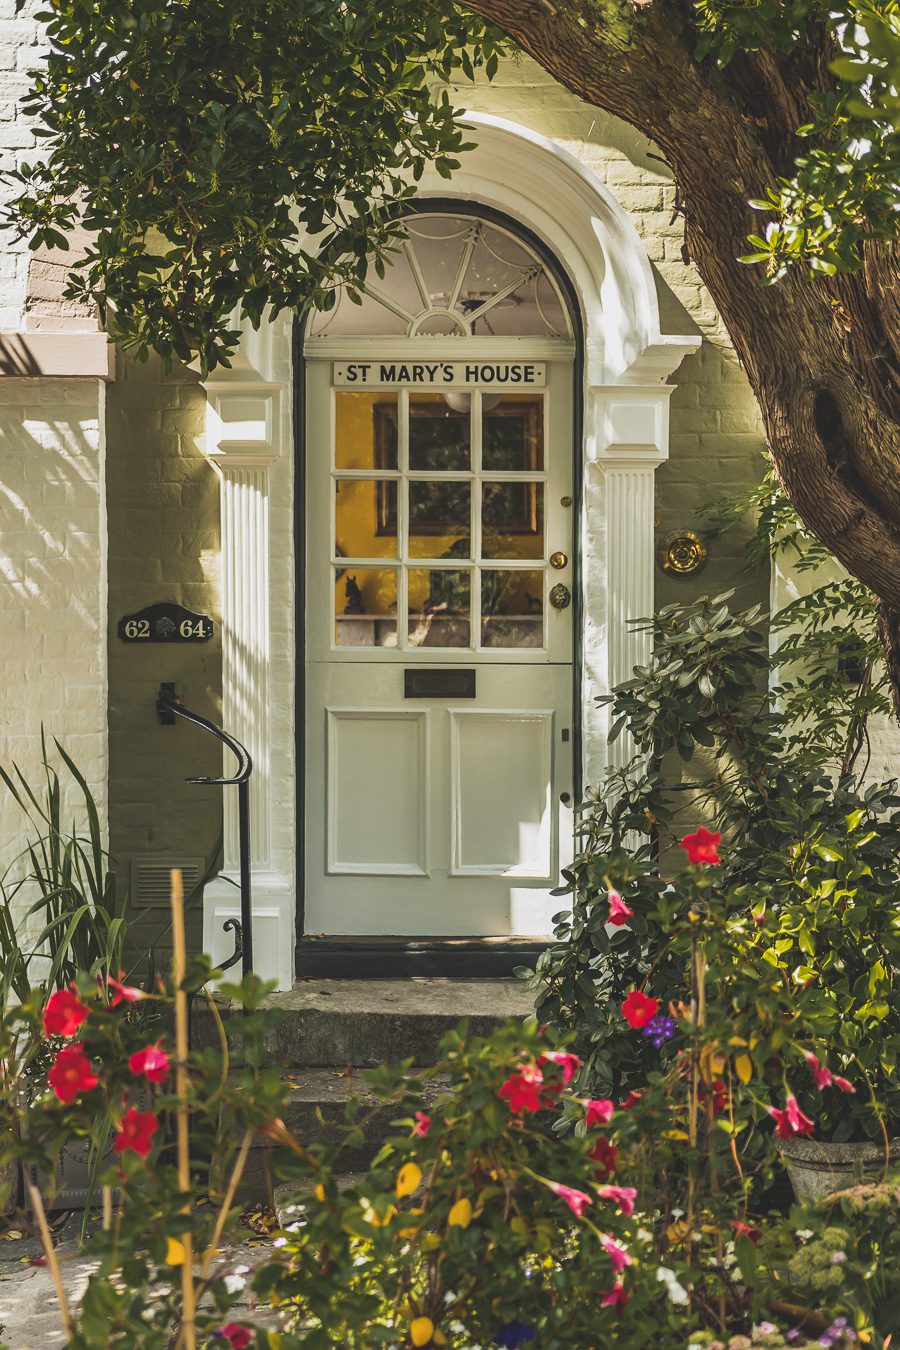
(558, 560)
(560, 596)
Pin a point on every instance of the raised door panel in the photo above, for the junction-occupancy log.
(377, 792)
(502, 800)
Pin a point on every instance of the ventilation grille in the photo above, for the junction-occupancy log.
(150, 882)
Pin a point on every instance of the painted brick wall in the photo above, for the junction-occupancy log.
(52, 582)
(163, 545)
(20, 50)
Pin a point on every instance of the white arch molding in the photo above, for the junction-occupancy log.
(250, 442)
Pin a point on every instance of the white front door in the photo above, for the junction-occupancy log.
(439, 646)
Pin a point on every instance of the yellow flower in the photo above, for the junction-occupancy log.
(461, 1214)
(373, 1219)
(175, 1253)
(421, 1330)
(412, 1232)
(409, 1179)
(320, 1192)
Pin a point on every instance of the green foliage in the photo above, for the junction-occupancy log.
(848, 1261)
(842, 193)
(812, 852)
(133, 1296)
(199, 140)
(83, 924)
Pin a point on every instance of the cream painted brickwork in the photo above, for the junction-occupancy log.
(52, 581)
(21, 46)
(163, 545)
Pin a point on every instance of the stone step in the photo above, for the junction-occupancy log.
(360, 1023)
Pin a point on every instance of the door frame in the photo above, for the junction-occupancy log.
(392, 957)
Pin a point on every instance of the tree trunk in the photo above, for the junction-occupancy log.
(822, 357)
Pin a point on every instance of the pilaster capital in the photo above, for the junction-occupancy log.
(242, 421)
(630, 424)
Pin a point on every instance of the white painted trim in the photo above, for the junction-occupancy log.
(627, 358)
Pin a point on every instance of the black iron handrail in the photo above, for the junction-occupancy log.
(169, 706)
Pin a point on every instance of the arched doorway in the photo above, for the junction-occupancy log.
(440, 568)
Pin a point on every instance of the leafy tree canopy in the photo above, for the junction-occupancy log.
(201, 140)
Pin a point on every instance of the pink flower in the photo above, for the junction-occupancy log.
(576, 1200)
(523, 1089)
(638, 1009)
(423, 1123)
(624, 1197)
(123, 993)
(136, 1132)
(702, 846)
(569, 1064)
(746, 1230)
(631, 1100)
(64, 1014)
(791, 1121)
(843, 1083)
(819, 1072)
(71, 1074)
(618, 1255)
(598, 1111)
(619, 912)
(615, 1297)
(238, 1337)
(153, 1062)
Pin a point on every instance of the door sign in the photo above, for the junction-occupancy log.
(440, 374)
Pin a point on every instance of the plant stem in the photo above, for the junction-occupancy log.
(37, 1206)
(236, 1174)
(179, 966)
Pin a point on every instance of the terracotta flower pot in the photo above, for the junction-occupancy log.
(818, 1168)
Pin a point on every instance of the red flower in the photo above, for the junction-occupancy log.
(153, 1062)
(791, 1121)
(702, 846)
(844, 1084)
(624, 1197)
(123, 993)
(598, 1112)
(606, 1155)
(569, 1064)
(719, 1097)
(615, 1297)
(135, 1132)
(522, 1090)
(618, 1254)
(423, 1123)
(64, 1014)
(71, 1074)
(619, 912)
(576, 1200)
(745, 1230)
(820, 1073)
(239, 1337)
(631, 1100)
(638, 1009)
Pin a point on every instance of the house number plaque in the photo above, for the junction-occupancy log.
(165, 621)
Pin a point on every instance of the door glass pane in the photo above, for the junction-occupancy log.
(512, 430)
(439, 519)
(439, 435)
(512, 520)
(365, 606)
(439, 607)
(365, 517)
(365, 430)
(512, 608)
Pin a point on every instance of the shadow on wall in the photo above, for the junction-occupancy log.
(52, 576)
